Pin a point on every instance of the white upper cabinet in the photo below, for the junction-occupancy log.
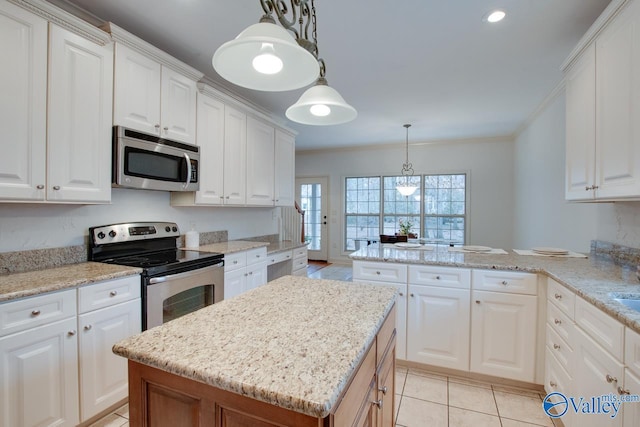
(285, 158)
(235, 156)
(79, 119)
(260, 164)
(178, 107)
(603, 111)
(210, 138)
(23, 85)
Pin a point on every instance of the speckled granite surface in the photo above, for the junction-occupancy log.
(284, 245)
(18, 261)
(595, 279)
(20, 285)
(232, 246)
(293, 342)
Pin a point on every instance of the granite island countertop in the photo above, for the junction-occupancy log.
(30, 283)
(293, 342)
(594, 279)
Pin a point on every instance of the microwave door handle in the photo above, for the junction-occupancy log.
(186, 184)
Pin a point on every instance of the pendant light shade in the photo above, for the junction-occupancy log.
(407, 189)
(266, 57)
(321, 105)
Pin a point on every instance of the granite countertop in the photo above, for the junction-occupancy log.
(285, 245)
(293, 342)
(232, 246)
(30, 283)
(594, 279)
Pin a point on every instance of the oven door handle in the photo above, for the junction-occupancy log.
(155, 280)
(186, 184)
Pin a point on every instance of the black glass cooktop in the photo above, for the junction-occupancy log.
(167, 261)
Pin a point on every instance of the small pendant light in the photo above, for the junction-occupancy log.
(407, 171)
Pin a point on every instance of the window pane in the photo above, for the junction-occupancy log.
(444, 207)
(362, 207)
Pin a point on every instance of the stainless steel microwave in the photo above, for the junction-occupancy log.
(148, 162)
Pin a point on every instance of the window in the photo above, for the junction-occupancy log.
(373, 206)
(311, 203)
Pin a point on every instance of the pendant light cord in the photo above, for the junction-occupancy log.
(407, 168)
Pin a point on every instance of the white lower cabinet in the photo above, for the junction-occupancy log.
(438, 324)
(39, 378)
(103, 375)
(503, 335)
(244, 271)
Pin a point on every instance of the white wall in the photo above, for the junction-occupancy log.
(31, 226)
(489, 164)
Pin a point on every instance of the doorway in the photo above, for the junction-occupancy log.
(312, 194)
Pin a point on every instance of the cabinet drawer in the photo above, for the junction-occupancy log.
(560, 349)
(104, 294)
(440, 276)
(556, 379)
(279, 257)
(505, 281)
(379, 271)
(632, 351)
(561, 324)
(256, 255)
(299, 263)
(16, 316)
(300, 252)
(562, 297)
(235, 260)
(605, 330)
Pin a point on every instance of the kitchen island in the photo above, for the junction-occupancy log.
(295, 352)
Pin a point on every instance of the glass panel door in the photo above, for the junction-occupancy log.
(312, 194)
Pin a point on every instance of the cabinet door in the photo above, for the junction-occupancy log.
(260, 163)
(285, 172)
(597, 373)
(235, 157)
(80, 103)
(386, 391)
(234, 282)
(631, 415)
(39, 378)
(503, 335)
(136, 91)
(210, 138)
(23, 85)
(580, 127)
(438, 326)
(178, 106)
(256, 276)
(103, 375)
(618, 106)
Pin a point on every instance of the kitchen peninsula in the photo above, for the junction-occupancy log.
(296, 352)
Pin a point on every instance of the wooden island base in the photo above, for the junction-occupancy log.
(158, 398)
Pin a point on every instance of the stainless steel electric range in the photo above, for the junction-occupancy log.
(174, 281)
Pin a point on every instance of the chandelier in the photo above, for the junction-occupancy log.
(269, 57)
(406, 189)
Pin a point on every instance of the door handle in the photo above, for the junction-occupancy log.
(186, 157)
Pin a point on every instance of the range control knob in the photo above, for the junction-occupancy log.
(101, 235)
(174, 229)
(112, 233)
(167, 229)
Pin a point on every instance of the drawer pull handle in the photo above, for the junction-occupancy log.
(71, 332)
(558, 296)
(113, 293)
(504, 282)
(622, 391)
(557, 321)
(383, 389)
(401, 294)
(556, 346)
(235, 261)
(88, 327)
(378, 403)
(35, 312)
(477, 301)
(553, 384)
(437, 277)
(611, 379)
(377, 272)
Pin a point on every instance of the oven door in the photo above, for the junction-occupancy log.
(174, 295)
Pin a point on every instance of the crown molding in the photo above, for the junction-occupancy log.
(64, 19)
(124, 37)
(605, 17)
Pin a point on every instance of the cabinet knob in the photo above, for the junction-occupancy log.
(437, 277)
(622, 391)
(553, 384)
(88, 327)
(556, 346)
(235, 261)
(383, 389)
(401, 294)
(35, 312)
(378, 273)
(557, 321)
(113, 293)
(504, 282)
(558, 296)
(477, 301)
(157, 126)
(71, 332)
(227, 197)
(166, 128)
(587, 188)
(412, 295)
(40, 187)
(611, 379)
(56, 187)
(251, 273)
(378, 403)
(595, 187)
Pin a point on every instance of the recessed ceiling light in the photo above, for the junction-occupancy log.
(495, 16)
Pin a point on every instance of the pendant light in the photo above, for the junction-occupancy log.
(407, 171)
(266, 56)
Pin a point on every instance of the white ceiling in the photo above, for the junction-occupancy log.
(434, 64)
